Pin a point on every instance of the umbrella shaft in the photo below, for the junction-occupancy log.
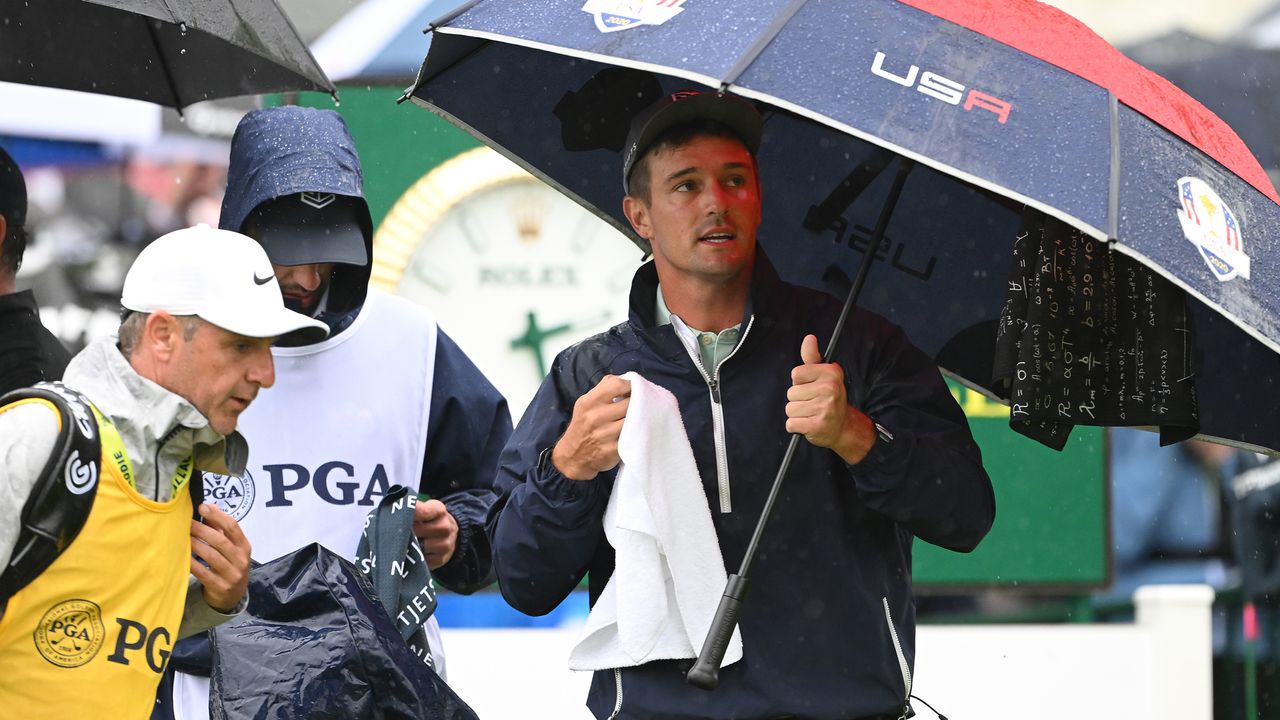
(706, 671)
(882, 225)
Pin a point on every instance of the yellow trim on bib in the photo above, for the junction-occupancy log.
(41, 401)
(113, 449)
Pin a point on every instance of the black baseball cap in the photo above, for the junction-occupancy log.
(310, 227)
(686, 106)
(13, 191)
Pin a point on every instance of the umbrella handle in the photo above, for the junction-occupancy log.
(705, 673)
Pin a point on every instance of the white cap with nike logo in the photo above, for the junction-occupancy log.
(220, 276)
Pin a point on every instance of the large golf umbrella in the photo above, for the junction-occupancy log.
(169, 52)
(1004, 106)
(1240, 83)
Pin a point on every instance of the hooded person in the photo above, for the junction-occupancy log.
(388, 399)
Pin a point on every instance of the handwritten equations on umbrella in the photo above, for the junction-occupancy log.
(1088, 336)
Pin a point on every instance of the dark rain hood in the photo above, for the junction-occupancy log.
(285, 150)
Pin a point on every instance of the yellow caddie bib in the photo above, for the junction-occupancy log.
(92, 633)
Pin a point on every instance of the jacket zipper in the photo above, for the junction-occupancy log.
(897, 648)
(617, 704)
(717, 414)
(160, 448)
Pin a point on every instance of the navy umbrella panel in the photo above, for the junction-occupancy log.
(1033, 110)
(170, 52)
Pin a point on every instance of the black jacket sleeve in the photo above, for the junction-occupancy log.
(469, 425)
(925, 470)
(544, 528)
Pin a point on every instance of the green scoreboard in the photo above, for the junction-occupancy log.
(1052, 508)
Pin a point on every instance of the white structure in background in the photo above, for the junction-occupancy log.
(375, 22)
(41, 112)
(1157, 668)
(1123, 22)
(378, 39)
(1264, 31)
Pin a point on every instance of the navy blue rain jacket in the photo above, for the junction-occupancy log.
(286, 150)
(828, 626)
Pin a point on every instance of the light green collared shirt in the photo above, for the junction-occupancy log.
(713, 347)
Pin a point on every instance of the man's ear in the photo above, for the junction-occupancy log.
(4, 232)
(161, 335)
(637, 213)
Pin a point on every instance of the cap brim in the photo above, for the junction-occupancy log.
(300, 230)
(302, 245)
(272, 322)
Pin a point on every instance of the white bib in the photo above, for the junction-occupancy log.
(346, 420)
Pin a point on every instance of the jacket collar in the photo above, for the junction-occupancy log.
(23, 301)
(765, 286)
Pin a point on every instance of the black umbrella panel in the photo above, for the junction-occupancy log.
(173, 53)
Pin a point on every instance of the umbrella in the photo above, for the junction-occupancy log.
(1236, 81)
(173, 53)
(1003, 107)
(1035, 111)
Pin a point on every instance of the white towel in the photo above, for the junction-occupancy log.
(669, 574)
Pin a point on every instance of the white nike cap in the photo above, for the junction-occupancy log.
(220, 276)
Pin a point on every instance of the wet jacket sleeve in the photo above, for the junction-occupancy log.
(28, 434)
(925, 471)
(198, 616)
(469, 425)
(544, 528)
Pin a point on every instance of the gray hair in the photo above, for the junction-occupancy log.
(133, 324)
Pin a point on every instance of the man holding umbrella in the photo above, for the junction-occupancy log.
(828, 630)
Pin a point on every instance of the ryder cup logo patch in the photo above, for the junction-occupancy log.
(232, 494)
(1211, 226)
(614, 15)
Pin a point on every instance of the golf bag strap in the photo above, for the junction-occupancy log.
(62, 496)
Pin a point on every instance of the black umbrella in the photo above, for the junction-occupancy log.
(1138, 214)
(174, 53)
